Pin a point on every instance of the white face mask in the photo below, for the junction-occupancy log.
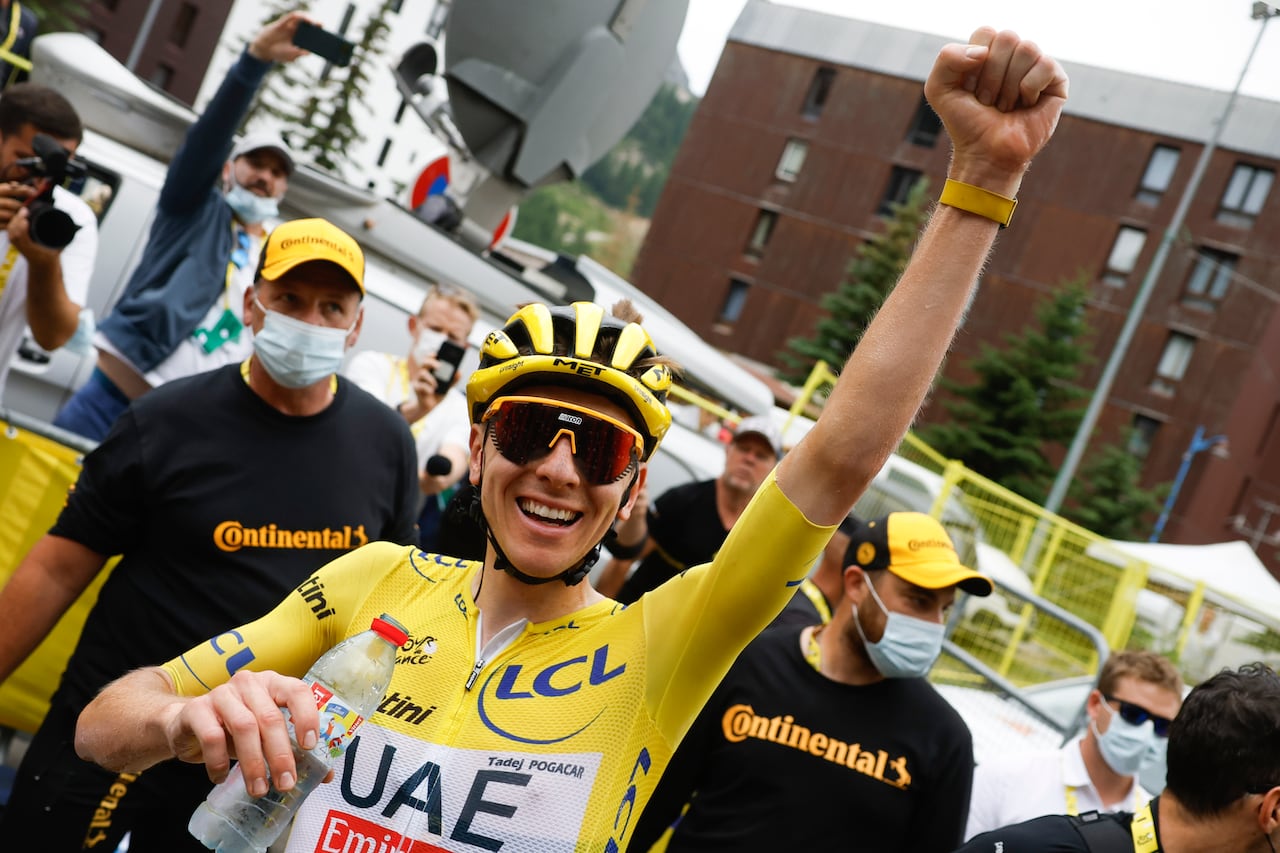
(1124, 746)
(428, 344)
(250, 208)
(298, 354)
(907, 648)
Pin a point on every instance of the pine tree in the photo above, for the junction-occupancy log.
(1024, 398)
(870, 277)
(328, 127)
(1107, 498)
(277, 97)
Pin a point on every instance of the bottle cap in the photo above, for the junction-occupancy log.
(390, 630)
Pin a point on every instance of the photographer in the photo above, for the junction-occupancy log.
(412, 386)
(179, 312)
(41, 287)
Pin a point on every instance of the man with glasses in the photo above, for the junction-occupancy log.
(222, 492)
(180, 311)
(528, 711)
(1137, 695)
(1223, 792)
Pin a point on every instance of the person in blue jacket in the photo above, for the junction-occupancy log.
(180, 311)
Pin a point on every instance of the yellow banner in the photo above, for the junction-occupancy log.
(35, 474)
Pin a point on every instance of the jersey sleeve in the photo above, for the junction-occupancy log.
(1049, 834)
(698, 622)
(291, 637)
(107, 507)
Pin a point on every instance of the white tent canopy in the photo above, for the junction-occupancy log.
(1230, 569)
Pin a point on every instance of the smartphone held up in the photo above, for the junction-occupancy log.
(324, 44)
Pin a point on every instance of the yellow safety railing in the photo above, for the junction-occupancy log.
(1039, 552)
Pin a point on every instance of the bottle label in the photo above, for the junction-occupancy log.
(338, 720)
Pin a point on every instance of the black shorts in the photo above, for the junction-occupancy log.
(61, 803)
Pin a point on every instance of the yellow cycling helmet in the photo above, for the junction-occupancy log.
(579, 346)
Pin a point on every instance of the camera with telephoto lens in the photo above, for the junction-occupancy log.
(50, 167)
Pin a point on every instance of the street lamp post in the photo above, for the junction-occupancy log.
(1198, 443)
(1089, 422)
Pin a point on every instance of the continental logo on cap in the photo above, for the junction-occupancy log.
(866, 553)
(289, 242)
(233, 535)
(921, 544)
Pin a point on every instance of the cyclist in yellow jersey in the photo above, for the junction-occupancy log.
(528, 712)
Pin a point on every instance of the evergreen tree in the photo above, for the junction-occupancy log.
(871, 275)
(1107, 498)
(1024, 397)
(277, 97)
(327, 128)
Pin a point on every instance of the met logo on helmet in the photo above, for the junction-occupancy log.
(584, 368)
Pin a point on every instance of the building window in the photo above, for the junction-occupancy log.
(400, 111)
(1142, 436)
(1159, 174)
(792, 160)
(1124, 255)
(1246, 193)
(901, 180)
(182, 24)
(819, 89)
(1173, 363)
(161, 77)
(761, 233)
(1209, 279)
(925, 127)
(386, 149)
(734, 301)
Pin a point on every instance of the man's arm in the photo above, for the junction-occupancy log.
(57, 279)
(197, 165)
(999, 98)
(46, 582)
(138, 721)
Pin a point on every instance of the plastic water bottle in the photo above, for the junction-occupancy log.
(349, 682)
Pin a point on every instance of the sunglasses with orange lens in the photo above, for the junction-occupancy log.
(525, 429)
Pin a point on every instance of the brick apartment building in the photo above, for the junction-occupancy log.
(813, 123)
(175, 51)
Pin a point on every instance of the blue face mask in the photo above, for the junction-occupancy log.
(298, 354)
(1125, 746)
(908, 647)
(249, 208)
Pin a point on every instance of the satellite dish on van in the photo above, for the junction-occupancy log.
(541, 91)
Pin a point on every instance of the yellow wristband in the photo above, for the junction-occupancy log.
(985, 203)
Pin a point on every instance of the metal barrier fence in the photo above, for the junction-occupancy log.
(1132, 603)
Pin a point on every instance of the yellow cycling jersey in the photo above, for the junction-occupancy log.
(553, 745)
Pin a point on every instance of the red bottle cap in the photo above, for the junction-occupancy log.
(390, 630)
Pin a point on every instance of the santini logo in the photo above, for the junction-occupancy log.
(233, 535)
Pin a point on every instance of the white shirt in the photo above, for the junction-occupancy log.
(386, 377)
(190, 357)
(77, 267)
(1012, 788)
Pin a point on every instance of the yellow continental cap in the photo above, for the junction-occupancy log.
(301, 240)
(915, 547)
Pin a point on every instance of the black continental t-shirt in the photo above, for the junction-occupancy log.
(782, 757)
(220, 505)
(686, 528)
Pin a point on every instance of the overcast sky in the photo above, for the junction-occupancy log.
(1192, 41)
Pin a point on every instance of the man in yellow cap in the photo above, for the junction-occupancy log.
(224, 491)
(833, 728)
